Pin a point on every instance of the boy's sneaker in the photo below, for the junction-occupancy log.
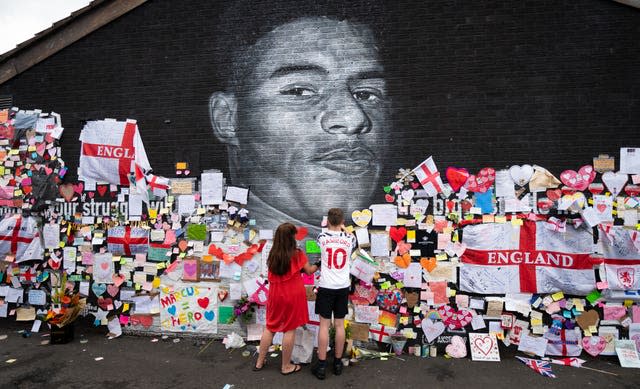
(319, 370)
(337, 366)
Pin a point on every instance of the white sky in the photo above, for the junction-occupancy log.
(22, 19)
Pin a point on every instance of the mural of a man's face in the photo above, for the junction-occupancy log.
(309, 127)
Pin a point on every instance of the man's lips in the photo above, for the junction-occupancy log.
(351, 161)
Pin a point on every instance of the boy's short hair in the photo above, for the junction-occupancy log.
(335, 217)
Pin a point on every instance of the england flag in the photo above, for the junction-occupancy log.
(506, 258)
(109, 151)
(19, 236)
(429, 177)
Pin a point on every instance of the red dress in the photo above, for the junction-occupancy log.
(287, 302)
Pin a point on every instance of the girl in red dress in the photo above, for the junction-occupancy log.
(287, 301)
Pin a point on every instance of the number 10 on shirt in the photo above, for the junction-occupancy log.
(336, 259)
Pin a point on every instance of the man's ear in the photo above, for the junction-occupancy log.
(222, 111)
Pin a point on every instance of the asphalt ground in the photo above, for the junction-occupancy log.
(93, 361)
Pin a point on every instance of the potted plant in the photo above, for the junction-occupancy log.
(64, 310)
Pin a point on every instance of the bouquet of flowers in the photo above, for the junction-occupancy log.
(244, 309)
(65, 305)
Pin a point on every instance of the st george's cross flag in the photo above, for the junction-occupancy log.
(109, 150)
(19, 236)
(506, 258)
(126, 240)
(621, 256)
(429, 177)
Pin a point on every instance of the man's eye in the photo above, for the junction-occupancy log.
(365, 95)
(298, 91)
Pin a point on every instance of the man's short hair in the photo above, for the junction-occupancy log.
(335, 217)
(244, 22)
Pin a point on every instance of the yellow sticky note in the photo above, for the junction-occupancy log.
(17, 193)
(153, 213)
(500, 219)
(441, 257)
(587, 332)
(138, 286)
(116, 258)
(516, 222)
(536, 322)
(404, 320)
(628, 303)
(452, 292)
(399, 285)
(156, 282)
(123, 261)
(416, 309)
(125, 307)
(385, 285)
(181, 165)
(411, 236)
(201, 211)
(13, 152)
(593, 329)
(161, 265)
(349, 229)
(557, 296)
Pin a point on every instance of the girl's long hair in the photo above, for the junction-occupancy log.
(284, 245)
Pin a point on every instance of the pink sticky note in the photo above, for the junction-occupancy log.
(553, 308)
(602, 285)
(124, 320)
(635, 313)
(403, 310)
(613, 313)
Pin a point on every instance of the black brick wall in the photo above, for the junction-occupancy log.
(482, 83)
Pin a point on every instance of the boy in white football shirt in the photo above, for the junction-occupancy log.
(336, 245)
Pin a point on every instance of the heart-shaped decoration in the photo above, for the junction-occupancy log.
(544, 204)
(209, 315)
(484, 343)
(222, 294)
(91, 194)
(415, 185)
(579, 180)
(387, 189)
(361, 218)
(105, 303)
(521, 175)
(172, 310)
(456, 176)
(104, 266)
(183, 245)
(594, 345)
(66, 191)
(389, 198)
(102, 189)
(301, 232)
(118, 279)
(203, 302)
(78, 188)
(98, 289)
(577, 197)
(402, 261)
(112, 290)
(457, 348)
(614, 182)
(601, 207)
(431, 329)
(397, 233)
(408, 194)
(428, 264)
(632, 190)
(54, 263)
(402, 247)
(588, 319)
(454, 319)
(482, 181)
(596, 188)
(190, 268)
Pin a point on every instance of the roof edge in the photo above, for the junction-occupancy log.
(62, 34)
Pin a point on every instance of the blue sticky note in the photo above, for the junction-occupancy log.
(484, 201)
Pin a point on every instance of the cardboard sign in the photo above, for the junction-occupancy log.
(484, 347)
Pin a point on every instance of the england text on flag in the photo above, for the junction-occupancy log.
(505, 258)
(109, 150)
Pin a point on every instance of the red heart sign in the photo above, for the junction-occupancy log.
(102, 189)
(397, 234)
(454, 319)
(301, 233)
(482, 182)
(579, 180)
(554, 194)
(456, 176)
(203, 302)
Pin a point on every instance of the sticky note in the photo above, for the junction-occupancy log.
(516, 221)
(385, 285)
(557, 296)
(311, 247)
(593, 296)
(411, 236)
(628, 303)
(500, 219)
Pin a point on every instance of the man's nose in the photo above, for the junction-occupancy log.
(345, 116)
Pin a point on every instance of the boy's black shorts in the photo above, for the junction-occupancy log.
(332, 301)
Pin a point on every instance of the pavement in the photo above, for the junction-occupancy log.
(93, 361)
